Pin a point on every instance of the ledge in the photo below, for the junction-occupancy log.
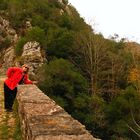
(42, 119)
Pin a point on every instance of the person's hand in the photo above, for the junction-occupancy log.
(35, 82)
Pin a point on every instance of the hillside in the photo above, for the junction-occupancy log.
(91, 77)
(133, 47)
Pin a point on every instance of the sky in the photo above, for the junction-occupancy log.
(111, 17)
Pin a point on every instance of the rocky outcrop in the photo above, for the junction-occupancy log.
(9, 57)
(68, 10)
(31, 50)
(60, 1)
(6, 31)
(8, 39)
(61, 12)
(32, 55)
(28, 25)
(42, 119)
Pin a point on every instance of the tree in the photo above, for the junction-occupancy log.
(93, 50)
(60, 43)
(121, 113)
(102, 62)
(36, 34)
(3, 4)
(62, 81)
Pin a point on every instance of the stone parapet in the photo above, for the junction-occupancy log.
(42, 119)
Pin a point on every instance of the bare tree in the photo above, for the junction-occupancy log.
(101, 65)
(93, 52)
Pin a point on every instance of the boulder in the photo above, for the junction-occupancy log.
(32, 55)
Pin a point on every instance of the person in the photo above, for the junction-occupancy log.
(15, 76)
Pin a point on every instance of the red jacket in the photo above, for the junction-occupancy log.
(14, 76)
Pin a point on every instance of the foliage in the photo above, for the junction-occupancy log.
(93, 78)
(19, 46)
(65, 21)
(119, 113)
(59, 78)
(61, 40)
(3, 4)
(17, 135)
(36, 34)
(65, 1)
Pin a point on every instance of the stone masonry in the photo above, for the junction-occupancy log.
(42, 119)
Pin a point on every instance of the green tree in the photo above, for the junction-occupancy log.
(60, 43)
(120, 112)
(59, 78)
(3, 4)
(36, 34)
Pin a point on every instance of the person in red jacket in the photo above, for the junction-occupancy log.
(15, 76)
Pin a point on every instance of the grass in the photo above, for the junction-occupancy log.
(7, 130)
(17, 135)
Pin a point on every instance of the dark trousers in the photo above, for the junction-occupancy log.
(9, 96)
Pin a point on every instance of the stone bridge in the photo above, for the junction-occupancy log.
(40, 118)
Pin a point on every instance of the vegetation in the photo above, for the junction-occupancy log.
(19, 46)
(93, 78)
(10, 125)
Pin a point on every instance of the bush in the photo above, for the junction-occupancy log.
(119, 113)
(61, 43)
(65, 21)
(3, 4)
(60, 79)
(19, 46)
(36, 34)
(39, 21)
(65, 2)
(41, 8)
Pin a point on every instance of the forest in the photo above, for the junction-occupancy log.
(96, 80)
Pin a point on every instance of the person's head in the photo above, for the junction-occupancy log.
(25, 68)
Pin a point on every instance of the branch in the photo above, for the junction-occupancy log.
(133, 130)
(134, 120)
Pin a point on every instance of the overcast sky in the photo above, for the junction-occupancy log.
(111, 17)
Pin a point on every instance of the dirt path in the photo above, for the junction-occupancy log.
(9, 121)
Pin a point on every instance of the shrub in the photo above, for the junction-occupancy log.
(65, 21)
(60, 79)
(119, 113)
(3, 4)
(36, 34)
(65, 2)
(61, 43)
(19, 46)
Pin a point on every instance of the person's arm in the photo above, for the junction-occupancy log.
(26, 80)
(10, 71)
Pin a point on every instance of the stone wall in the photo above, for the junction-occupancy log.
(42, 119)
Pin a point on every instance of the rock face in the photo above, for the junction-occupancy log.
(6, 31)
(9, 57)
(31, 51)
(61, 1)
(8, 38)
(32, 55)
(42, 119)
